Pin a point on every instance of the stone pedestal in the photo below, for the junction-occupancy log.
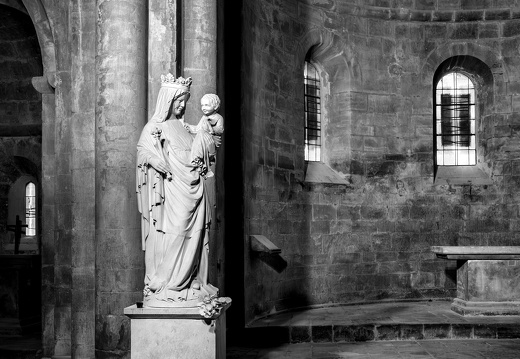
(179, 333)
(488, 279)
(488, 287)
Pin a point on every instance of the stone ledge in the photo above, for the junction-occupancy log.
(466, 308)
(319, 172)
(461, 175)
(477, 252)
(168, 313)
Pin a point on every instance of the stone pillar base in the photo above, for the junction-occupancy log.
(180, 333)
(464, 307)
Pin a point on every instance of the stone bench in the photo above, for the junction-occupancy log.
(488, 279)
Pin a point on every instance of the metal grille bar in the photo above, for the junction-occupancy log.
(455, 121)
(312, 110)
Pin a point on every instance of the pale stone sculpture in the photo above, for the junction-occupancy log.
(210, 125)
(174, 206)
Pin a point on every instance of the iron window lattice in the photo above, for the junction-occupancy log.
(312, 113)
(30, 209)
(455, 121)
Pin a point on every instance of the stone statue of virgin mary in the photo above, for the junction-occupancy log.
(173, 203)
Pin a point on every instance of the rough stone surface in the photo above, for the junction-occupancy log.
(20, 107)
(489, 280)
(365, 239)
(369, 239)
(488, 287)
(120, 112)
(381, 321)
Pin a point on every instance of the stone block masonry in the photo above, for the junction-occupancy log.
(20, 111)
(370, 239)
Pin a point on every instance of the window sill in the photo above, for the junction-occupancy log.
(319, 172)
(461, 175)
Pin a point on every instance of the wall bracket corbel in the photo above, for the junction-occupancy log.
(262, 245)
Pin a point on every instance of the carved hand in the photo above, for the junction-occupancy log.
(189, 128)
(217, 140)
(159, 165)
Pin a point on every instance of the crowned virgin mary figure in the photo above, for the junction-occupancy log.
(172, 200)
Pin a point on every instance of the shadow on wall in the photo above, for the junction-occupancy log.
(266, 251)
(275, 261)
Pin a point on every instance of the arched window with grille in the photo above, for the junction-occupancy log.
(30, 209)
(455, 128)
(312, 102)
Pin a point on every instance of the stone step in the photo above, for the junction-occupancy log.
(10, 327)
(376, 322)
(20, 353)
(21, 347)
(374, 332)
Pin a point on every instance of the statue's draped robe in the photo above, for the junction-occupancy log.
(175, 214)
(203, 146)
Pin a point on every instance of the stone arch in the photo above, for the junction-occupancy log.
(335, 60)
(477, 70)
(330, 52)
(482, 53)
(36, 10)
(45, 84)
(481, 65)
(313, 38)
(42, 25)
(15, 4)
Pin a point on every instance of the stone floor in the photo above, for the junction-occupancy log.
(417, 349)
(381, 330)
(426, 329)
(381, 321)
(21, 347)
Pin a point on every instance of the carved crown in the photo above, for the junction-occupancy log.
(170, 81)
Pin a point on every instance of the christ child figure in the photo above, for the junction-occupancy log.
(211, 124)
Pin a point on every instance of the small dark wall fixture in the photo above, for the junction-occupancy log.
(267, 252)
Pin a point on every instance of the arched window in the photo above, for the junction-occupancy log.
(455, 121)
(312, 113)
(30, 209)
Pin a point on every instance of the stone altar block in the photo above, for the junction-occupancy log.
(488, 279)
(180, 333)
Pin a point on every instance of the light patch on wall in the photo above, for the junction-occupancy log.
(157, 29)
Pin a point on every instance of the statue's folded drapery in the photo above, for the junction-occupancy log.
(175, 212)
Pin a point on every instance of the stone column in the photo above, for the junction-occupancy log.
(63, 189)
(199, 53)
(48, 223)
(82, 167)
(164, 21)
(121, 66)
(45, 85)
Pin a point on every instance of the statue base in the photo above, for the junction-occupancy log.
(188, 297)
(151, 302)
(181, 333)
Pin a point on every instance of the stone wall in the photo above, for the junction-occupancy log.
(370, 239)
(20, 60)
(20, 110)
